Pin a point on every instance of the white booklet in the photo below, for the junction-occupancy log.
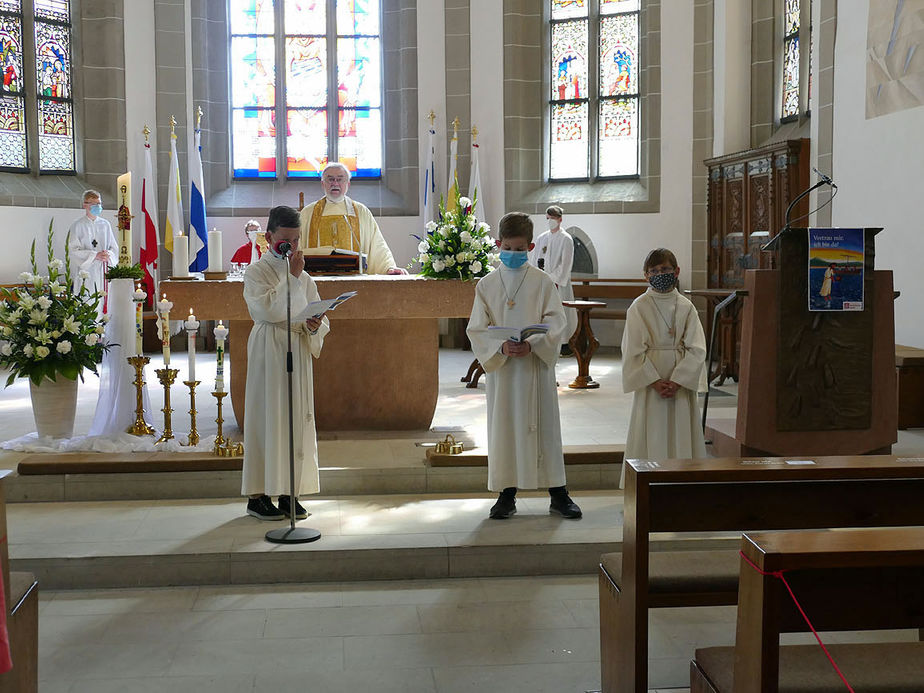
(517, 334)
(316, 309)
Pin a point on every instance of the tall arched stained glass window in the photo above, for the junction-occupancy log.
(53, 82)
(328, 80)
(594, 80)
(791, 20)
(13, 155)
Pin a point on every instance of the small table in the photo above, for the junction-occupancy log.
(583, 343)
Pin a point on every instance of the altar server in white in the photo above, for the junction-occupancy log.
(524, 428)
(93, 247)
(553, 253)
(663, 363)
(266, 405)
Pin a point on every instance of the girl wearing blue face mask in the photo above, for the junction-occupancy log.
(93, 248)
(663, 364)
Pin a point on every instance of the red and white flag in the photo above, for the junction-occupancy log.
(149, 247)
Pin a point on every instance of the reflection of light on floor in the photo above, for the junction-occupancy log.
(17, 403)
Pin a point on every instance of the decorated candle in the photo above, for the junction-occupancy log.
(180, 256)
(138, 295)
(124, 218)
(216, 263)
(164, 307)
(220, 333)
(192, 327)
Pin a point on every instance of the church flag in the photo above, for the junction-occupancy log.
(429, 191)
(452, 187)
(198, 232)
(174, 225)
(475, 191)
(148, 252)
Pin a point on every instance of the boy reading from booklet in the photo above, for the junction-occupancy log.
(524, 430)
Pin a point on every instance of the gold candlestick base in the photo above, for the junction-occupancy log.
(166, 377)
(219, 439)
(140, 427)
(193, 433)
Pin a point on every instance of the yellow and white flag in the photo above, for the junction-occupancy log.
(174, 225)
(452, 187)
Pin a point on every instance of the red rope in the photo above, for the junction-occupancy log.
(779, 574)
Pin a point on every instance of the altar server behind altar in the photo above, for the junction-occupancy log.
(663, 363)
(266, 404)
(524, 428)
(553, 253)
(338, 221)
(92, 246)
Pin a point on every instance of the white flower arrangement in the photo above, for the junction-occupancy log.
(458, 246)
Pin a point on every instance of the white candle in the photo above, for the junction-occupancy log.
(216, 261)
(164, 307)
(192, 327)
(180, 256)
(138, 296)
(220, 333)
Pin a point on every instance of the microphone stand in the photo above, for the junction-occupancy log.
(291, 534)
(772, 243)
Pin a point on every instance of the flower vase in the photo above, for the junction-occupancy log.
(54, 404)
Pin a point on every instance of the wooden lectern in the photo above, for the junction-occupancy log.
(812, 383)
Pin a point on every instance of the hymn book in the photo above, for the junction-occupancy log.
(316, 309)
(516, 334)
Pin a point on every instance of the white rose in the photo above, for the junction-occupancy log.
(430, 226)
(44, 302)
(460, 257)
(7, 331)
(424, 257)
(42, 351)
(91, 339)
(476, 267)
(465, 237)
(25, 277)
(438, 266)
(464, 202)
(6, 349)
(56, 264)
(99, 329)
(64, 347)
(83, 274)
(55, 333)
(422, 247)
(27, 350)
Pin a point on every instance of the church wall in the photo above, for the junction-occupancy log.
(879, 166)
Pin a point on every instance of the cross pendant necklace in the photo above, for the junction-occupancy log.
(511, 302)
(670, 328)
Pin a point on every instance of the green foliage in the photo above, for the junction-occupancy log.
(458, 246)
(125, 272)
(46, 328)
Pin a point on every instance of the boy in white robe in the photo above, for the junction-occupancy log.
(92, 247)
(553, 253)
(524, 428)
(663, 363)
(266, 404)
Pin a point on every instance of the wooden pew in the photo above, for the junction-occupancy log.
(844, 580)
(729, 494)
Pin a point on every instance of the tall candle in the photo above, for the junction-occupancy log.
(180, 256)
(220, 333)
(164, 307)
(216, 261)
(139, 296)
(124, 218)
(192, 327)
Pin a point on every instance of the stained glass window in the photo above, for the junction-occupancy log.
(330, 82)
(53, 84)
(791, 20)
(12, 115)
(594, 80)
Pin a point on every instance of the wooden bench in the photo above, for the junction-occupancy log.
(729, 494)
(601, 289)
(844, 580)
(909, 366)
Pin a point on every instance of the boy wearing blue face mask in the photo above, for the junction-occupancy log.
(663, 363)
(93, 247)
(524, 429)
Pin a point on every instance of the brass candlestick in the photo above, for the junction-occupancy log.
(193, 433)
(140, 427)
(166, 377)
(220, 438)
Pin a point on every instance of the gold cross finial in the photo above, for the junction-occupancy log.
(431, 116)
(147, 133)
(199, 117)
(455, 126)
(173, 127)
(474, 133)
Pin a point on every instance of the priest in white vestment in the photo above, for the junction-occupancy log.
(554, 254)
(93, 248)
(266, 405)
(524, 428)
(339, 222)
(663, 363)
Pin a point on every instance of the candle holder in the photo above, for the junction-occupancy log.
(140, 427)
(220, 438)
(166, 377)
(193, 433)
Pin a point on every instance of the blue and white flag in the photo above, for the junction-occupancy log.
(198, 232)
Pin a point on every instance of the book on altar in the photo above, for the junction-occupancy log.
(326, 250)
(516, 334)
(316, 309)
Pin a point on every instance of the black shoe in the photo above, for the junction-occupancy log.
(505, 506)
(300, 512)
(566, 350)
(562, 504)
(262, 508)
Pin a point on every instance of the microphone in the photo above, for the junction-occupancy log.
(825, 178)
(283, 248)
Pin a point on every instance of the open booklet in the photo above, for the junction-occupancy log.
(316, 309)
(517, 334)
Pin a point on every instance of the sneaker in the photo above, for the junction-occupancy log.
(300, 512)
(562, 504)
(505, 506)
(262, 508)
